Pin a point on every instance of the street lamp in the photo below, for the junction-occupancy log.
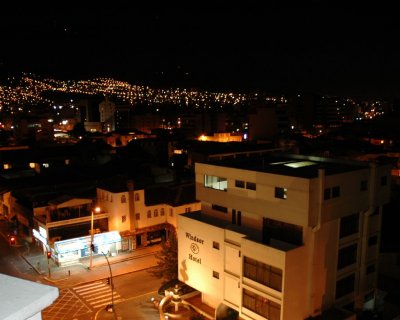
(97, 210)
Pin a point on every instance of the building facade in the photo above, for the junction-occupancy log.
(285, 237)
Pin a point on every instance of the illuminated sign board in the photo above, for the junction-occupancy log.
(38, 236)
(194, 247)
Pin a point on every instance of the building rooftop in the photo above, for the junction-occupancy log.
(290, 165)
(23, 299)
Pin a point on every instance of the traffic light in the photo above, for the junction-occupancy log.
(12, 240)
(48, 254)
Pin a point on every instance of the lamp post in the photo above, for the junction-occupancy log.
(97, 210)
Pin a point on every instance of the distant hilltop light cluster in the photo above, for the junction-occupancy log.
(28, 90)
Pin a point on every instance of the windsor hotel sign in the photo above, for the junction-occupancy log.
(194, 247)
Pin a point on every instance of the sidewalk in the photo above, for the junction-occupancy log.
(81, 272)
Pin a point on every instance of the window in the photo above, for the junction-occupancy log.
(330, 193)
(364, 185)
(137, 216)
(162, 212)
(287, 232)
(123, 199)
(260, 305)
(345, 286)
(171, 212)
(216, 245)
(239, 183)
(251, 186)
(263, 273)
(327, 194)
(123, 218)
(372, 241)
(335, 192)
(137, 197)
(348, 225)
(347, 256)
(189, 209)
(148, 213)
(216, 274)
(219, 208)
(383, 180)
(370, 269)
(155, 212)
(280, 193)
(216, 183)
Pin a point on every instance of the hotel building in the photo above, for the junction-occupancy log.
(285, 237)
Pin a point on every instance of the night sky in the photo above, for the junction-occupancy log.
(260, 45)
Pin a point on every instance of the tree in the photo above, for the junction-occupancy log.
(167, 259)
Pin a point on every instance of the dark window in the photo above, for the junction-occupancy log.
(335, 192)
(376, 212)
(266, 308)
(137, 216)
(345, 286)
(383, 180)
(137, 198)
(370, 269)
(347, 256)
(148, 214)
(369, 296)
(123, 199)
(280, 193)
(162, 212)
(364, 185)
(219, 208)
(216, 274)
(171, 212)
(251, 186)
(239, 183)
(263, 273)
(327, 194)
(372, 241)
(123, 219)
(216, 245)
(156, 213)
(348, 225)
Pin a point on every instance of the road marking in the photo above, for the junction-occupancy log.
(97, 294)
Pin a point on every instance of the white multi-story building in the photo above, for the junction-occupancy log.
(285, 237)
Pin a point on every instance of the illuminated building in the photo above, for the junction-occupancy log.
(285, 237)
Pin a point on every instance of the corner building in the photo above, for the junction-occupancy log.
(285, 237)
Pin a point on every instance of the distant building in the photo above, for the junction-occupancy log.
(285, 237)
(107, 114)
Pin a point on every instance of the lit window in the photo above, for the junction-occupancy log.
(216, 183)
